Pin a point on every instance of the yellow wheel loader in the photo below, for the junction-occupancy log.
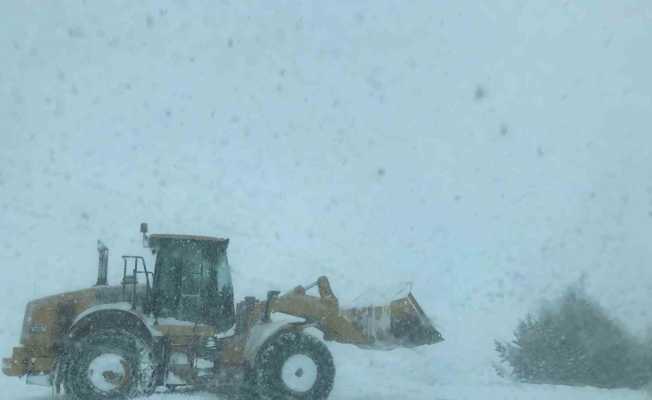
(176, 326)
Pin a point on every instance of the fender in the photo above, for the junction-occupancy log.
(109, 316)
(263, 331)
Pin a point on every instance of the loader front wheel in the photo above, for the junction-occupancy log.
(294, 366)
(108, 365)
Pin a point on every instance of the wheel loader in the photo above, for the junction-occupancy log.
(176, 327)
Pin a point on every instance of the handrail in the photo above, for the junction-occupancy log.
(135, 273)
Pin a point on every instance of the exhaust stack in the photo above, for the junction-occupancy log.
(103, 264)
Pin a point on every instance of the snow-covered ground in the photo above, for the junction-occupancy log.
(387, 378)
(490, 152)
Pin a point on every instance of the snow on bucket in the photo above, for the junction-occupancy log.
(397, 323)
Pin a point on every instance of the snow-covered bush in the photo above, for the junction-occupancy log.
(574, 342)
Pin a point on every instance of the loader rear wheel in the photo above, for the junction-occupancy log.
(109, 364)
(294, 366)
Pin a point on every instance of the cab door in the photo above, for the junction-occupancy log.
(194, 282)
(180, 280)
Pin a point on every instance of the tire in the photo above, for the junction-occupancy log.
(294, 366)
(109, 364)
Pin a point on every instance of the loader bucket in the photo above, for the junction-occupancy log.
(401, 323)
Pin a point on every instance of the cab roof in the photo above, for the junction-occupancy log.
(161, 237)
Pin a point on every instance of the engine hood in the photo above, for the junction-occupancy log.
(50, 317)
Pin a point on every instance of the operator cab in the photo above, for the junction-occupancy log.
(192, 280)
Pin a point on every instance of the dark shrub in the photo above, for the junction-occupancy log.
(574, 342)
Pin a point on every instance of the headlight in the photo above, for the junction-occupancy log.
(32, 325)
(38, 328)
